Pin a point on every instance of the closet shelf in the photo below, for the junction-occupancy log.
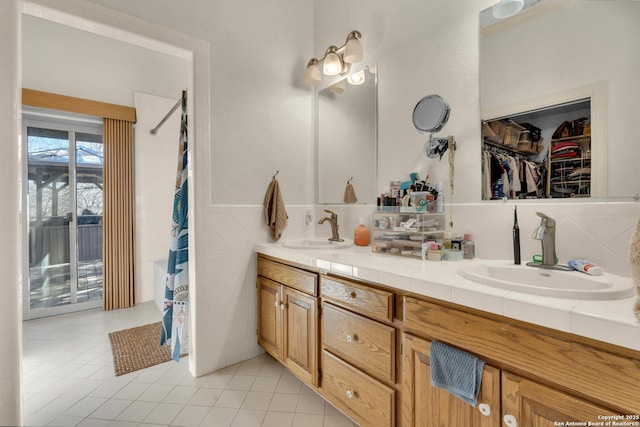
(575, 159)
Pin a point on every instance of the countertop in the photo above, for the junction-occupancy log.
(610, 321)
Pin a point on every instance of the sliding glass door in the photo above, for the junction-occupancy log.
(63, 211)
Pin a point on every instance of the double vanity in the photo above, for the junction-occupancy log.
(357, 328)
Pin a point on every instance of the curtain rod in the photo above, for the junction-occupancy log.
(166, 117)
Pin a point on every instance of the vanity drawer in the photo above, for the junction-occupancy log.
(365, 343)
(371, 302)
(301, 280)
(367, 401)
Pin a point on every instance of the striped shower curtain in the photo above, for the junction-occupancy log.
(175, 319)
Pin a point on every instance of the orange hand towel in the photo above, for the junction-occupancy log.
(275, 215)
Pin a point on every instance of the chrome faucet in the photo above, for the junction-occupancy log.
(546, 233)
(333, 221)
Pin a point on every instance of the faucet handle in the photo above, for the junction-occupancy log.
(546, 220)
(333, 214)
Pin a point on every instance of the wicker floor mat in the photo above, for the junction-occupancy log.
(138, 348)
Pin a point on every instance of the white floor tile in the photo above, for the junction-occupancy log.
(137, 411)
(278, 419)
(265, 384)
(220, 417)
(111, 409)
(241, 382)
(231, 399)
(85, 407)
(308, 404)
(308, 420)
(205, 397)
(248, 418)
(257, 400)
(190, 416)
(284, 402)
(180, 394)
(163, 413)
(68, 380)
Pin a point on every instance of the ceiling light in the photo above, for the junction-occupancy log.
(507, 8)
(336, 60)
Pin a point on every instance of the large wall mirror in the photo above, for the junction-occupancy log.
(571, 63)
(346, 138)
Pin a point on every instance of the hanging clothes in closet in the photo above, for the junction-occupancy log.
(510, 175)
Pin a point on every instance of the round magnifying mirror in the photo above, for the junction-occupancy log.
(431, 114)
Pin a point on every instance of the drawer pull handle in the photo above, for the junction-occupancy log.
(349, 295)
(349, 338)
(282, 307)
(351, 394)
(510, 421)
(484, 409)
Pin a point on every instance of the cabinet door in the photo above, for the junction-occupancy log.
(270, 307)
(301, 335)
(427, 406)
(529, 404)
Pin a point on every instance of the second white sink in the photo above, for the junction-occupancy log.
(316, 243)
(546, 282)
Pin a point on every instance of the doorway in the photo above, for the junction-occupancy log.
(62, 205)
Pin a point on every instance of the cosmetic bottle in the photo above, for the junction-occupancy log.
(361, 234)
(439, 198)
(468, 247)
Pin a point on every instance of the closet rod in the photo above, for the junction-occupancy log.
(165, 118)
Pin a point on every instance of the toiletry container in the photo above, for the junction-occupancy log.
(361, 235)
(468, 247)
(439, 198)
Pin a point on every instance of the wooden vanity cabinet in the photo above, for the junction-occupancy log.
(426, 406)
(558, 380)
(359, 350)
(288, 317)
(366, 349)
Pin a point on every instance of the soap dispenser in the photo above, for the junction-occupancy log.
(361, 235)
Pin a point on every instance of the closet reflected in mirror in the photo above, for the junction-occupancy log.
(558, 88)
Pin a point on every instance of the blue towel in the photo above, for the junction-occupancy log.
(456, 371)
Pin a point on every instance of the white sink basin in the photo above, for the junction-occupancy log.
(545, 282)
(316, 243)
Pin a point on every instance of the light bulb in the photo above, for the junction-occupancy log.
(332, 63)
(353, 49)
(312, 74)
(507, 8)
(357, 78)
(337, 87)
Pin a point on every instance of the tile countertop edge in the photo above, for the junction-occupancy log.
(590, 319)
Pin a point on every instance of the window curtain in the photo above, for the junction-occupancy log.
(118, 215)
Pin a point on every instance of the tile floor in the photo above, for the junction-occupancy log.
(68, 380)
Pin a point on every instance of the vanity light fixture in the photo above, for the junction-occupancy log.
(357, 78)
(336, 60)
(507, 8)
(337, 87)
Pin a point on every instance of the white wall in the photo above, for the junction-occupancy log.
(156, 157)
(10, 258)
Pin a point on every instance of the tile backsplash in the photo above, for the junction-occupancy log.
(226, 263)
